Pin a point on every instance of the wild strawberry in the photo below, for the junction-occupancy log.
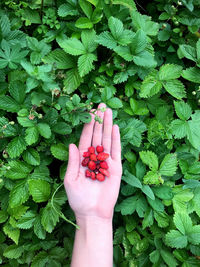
(100, 177)
(93, 157)
(104, 172)
(85, 162)
(91, 149)
(102, 156)
(99, 149)
(104, 165)
(86, 154)
(87, 173)
(93, 176)
(92, 165)
(98, 166)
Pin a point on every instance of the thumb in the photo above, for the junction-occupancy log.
(73, 163)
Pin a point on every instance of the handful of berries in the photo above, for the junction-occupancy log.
(98, 167)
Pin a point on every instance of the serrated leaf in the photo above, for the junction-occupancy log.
(39, 189)
(32, 135)
(178, 128)
(19, 194)
(169, 72)
(132, 180)
(67, 10)
(72, 81)
(148, 191)
(183, 110)
(139, 42)
(150, 85)
(188, 52)
(18, 170)
(152, 177)
(175, 239)
(127, 206)
(168, 258)
(85, 64)
(61, 128)
(49, 218)
(16, 147)
(38, 228)
(107, 40)
(145, 59)
(44, 129)
(13, 252)
(83, 23)
(17, 90)
(161, 218)
(193, 130)
(194, 235)
(9, 104)
(192, 74)
(31, 156)
(149, 158)
(116, 27)
(11, 232)
(59, 151)
(183, 222)
(72, 46)
(115, 102)
(176, 88)
(168, 165)
(26, 221)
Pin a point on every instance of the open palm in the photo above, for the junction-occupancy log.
(89, 197)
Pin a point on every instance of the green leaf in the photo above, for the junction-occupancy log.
(67, 10)
(175, 239)
(13, 252)
(168, 165)
(72, 46)
(59, 151)
(31, 156)
(18, 170)
(88, 38)
(72, 81)
(127, 3)
(39, 189)
(124, 52)
(18, 91)
(145, 59)
(114, 102)
(32, 135)
(86, 7)
(149, 158)
(16, 147)
(38, 228)
(128, 205)
(168, 258)
(169, 72)
(61, 128)
(183, 110)
(3, 216)
(175, 88)
(156, 204)
(179, 128)
(152, 177)
(139, 42)
(49, 218)
(85, 64)
(150, 85)
(19, 194)
(107, 40)
(161, 218)
(163, 192)
(188, 52)
(9, 104)
(148, 191)
(192, 74)
(193, 130)
(44, 130)
(116, 27)
(132, 180)
(83, 23)
(183, 222)
(11, 232)
(26, 221)
(194, 235)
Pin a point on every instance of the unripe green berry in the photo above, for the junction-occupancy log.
(40, 116)
(12, 122)
(194, 92)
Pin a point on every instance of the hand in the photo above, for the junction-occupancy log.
(89, 197)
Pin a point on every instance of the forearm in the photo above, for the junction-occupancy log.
(93, 245)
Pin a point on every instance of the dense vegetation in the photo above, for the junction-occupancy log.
(59, 59)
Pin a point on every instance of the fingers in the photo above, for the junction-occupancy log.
(116, 143)
(73, 164)
(86, 136)
(98, 128)
(107, 130)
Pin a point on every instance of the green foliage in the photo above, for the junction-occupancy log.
(58, 60)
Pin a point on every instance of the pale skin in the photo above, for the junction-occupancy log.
(93, 201)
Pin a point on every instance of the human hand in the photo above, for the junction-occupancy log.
(89, 197)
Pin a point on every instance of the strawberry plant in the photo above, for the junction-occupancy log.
(60, 59)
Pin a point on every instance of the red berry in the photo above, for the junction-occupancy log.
(87, 173)
(92, 165)
(93, 157)
(86, 154)
(85, 162)
(93, 176)
(91, 149)
(102, 156)
(100, 177)
(104, 172)
(99, 149)
(104, 165)
(98, 166)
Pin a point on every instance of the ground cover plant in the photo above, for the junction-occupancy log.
(59, 59)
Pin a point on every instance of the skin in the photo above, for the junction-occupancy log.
(92, 201)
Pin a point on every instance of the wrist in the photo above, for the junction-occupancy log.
(84, 220)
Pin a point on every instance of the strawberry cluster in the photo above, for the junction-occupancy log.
(98, 167)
